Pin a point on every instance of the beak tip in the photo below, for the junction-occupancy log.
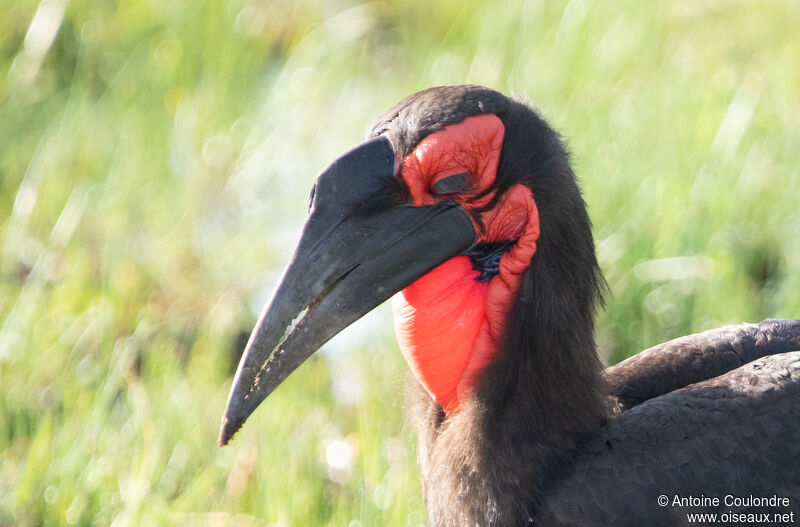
(228, 430)
(239, 408)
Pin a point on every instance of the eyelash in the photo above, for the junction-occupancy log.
(454, 184)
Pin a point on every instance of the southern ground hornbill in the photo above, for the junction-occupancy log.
(463, 206)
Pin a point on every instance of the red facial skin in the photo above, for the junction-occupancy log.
(449, 324)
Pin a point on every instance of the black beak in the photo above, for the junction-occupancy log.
(356, 251)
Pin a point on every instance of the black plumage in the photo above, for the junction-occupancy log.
(547, 436)
(695, 358)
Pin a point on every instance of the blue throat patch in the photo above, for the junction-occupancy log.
(485, 258)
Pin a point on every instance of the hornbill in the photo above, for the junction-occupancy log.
(462, 205)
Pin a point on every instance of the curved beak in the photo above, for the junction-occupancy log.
(356, 251)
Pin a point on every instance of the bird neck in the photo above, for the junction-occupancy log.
(491, 462)
(449, 323)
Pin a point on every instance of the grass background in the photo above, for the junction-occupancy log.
(155, 160)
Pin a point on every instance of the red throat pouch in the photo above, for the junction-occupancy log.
(450, 324)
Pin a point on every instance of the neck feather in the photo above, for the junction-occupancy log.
(492, 461)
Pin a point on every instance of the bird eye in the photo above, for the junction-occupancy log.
(451, 184)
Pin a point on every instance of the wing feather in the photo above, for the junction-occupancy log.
(736, 434)
(695, 358)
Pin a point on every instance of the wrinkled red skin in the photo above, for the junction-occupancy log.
(449, 325)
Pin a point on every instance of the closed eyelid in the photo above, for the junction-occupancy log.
(451, 184)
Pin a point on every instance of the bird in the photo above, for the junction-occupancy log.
(463, 208)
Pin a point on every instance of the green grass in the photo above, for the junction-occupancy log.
(155, 162)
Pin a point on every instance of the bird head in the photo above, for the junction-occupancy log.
(441, 208)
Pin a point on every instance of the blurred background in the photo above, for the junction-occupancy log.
(155, 164)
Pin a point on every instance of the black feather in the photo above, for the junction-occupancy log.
(548, 438)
